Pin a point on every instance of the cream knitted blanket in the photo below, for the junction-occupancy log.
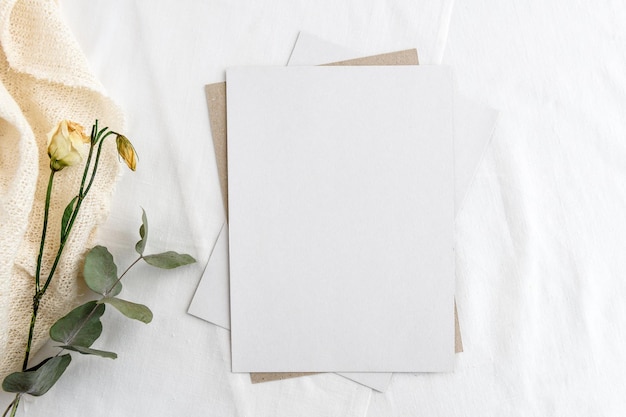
(44, 78)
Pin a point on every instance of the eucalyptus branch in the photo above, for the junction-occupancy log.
(77, 330)
(122, 276)
(84, 322)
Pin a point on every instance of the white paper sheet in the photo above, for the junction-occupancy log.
(312, 50)
(341, 207)
(211, 301)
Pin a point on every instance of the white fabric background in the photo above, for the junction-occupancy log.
(539, 240)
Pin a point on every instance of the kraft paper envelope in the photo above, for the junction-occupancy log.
(211, 301)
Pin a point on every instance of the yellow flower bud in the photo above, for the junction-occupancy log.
(64, 143)
(126, 151)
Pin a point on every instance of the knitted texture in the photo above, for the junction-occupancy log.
(44, 78)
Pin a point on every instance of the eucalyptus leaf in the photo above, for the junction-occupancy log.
(39, 379)
(169, 260)
(100, 272)
(90, 351)
(80, 327)
(66, 216)
(143, 233)
(131, 310)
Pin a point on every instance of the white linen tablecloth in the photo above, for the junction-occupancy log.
(539, 240)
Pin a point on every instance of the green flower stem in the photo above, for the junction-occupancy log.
(16, 403)
(45, 228)
(62, 245)
(33, 320)
(82, 183)
(95, 166)
(38, 293)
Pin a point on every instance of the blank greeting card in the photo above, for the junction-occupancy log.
(341, 206)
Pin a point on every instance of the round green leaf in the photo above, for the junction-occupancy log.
(169, 260)
(80, 327)
(39, 379)
(131, 310)
(143, 233)
(100, 272)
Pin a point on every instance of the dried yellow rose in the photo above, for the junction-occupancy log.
(64, 143)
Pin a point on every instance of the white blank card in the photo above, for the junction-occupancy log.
(341, 206)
